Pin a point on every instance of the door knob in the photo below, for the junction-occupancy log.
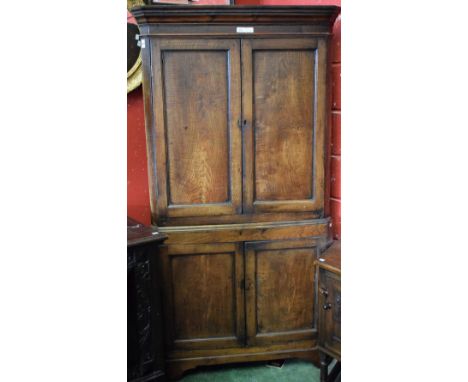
(327, 306)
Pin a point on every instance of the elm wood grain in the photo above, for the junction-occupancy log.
(283, 152)
(283, 142)
(196, 105)
(203, 300)
(196, 138)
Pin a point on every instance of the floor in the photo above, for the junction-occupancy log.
(292, 371)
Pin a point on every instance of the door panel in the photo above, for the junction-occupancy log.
(280, 291)
(283, 141)
(197, 138)
(204, 301)
(283, 114)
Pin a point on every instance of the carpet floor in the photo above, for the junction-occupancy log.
(292, 371)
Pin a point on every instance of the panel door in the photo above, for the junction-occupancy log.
(280, 291)
(330, 312)
(203, 296)
(195, 140)
(283, 103)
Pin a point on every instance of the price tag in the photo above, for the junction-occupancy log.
(245, 29)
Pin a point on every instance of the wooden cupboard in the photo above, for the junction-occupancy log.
(235, 109)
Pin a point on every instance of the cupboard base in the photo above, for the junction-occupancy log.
(175, 368)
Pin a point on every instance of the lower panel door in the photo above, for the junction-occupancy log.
(203, 296)
(280, 291)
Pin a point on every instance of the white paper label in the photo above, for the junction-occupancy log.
(244, 29)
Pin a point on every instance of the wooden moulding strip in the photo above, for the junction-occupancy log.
(245, 232)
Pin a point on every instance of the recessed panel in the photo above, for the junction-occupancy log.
(204, 296)
(285, 290)
(197, 126)
(283, 111)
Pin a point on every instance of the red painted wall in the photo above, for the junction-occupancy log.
(138, 205)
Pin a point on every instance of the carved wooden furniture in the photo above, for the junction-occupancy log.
(145, 360)
(236, 113)
(329, 322)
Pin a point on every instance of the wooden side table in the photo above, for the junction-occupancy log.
(145, 358)
(329, 320)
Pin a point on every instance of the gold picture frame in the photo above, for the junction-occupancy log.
(135, 74)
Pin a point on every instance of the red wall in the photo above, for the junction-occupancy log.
(138, 205)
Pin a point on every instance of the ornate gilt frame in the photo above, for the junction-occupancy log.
(134, 75)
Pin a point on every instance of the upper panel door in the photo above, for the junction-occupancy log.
(283, 102)
(195, 140)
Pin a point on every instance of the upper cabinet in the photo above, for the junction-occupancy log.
(235, 103)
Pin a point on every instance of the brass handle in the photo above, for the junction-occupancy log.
(327, 306)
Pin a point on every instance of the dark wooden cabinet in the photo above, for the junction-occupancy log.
(235, 109)
(329, 265)
(145, 358)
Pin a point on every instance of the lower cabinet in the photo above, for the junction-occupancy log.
(236, 302)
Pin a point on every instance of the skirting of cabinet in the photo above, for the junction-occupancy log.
(238, 302)
(180, 362)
